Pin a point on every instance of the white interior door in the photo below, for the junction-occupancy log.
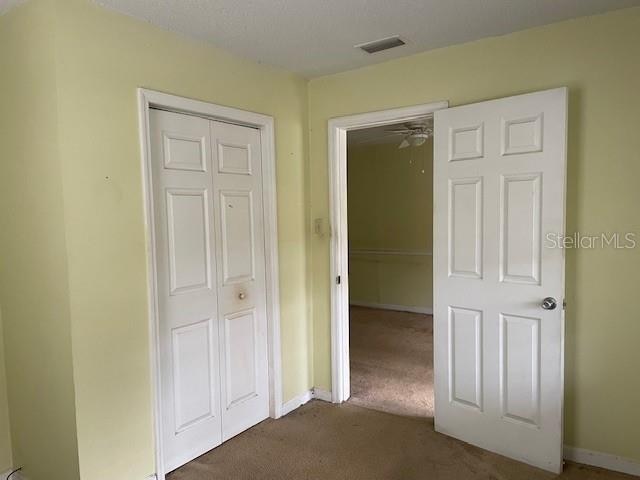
(499, 189)
(241, 277)
(207, 191)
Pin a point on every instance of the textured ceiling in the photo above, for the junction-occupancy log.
(316, 37)
(6, 5)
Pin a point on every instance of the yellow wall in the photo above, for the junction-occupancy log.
(34, 293)
(102, 58)
(74, 293)
(598, 59)
(390, 208)
(73, 276)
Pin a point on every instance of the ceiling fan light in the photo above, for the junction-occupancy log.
(418, 139)
(404, 144)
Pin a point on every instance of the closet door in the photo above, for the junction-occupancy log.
(237, 191)
(184, 198)
(207, 189)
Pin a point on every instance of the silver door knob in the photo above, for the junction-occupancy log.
(549, 303)
(242, 295)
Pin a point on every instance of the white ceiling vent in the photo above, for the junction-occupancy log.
(380, 45)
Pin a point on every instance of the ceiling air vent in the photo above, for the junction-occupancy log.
(380, 45)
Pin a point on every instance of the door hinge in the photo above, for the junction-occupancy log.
(564, 304)
(338, 280)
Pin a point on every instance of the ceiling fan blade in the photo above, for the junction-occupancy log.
(404, 144)
(399, 130)
(377, 138)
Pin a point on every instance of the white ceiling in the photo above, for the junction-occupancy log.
(316, 37)
(6, 5)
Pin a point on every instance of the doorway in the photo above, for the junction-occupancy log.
(390, 220)
(499, 192)
(339, 251)
(209, 178)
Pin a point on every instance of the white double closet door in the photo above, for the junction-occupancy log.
(210, 264)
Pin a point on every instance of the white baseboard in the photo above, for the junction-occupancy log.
(304, 397)
(296, 402)
(20, 476)
(398, 308)
(602, 460)
(321, 394)
(16, 476)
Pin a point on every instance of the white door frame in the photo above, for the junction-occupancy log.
(265, 124)
(339, 255)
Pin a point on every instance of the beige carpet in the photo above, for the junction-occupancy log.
(321, 441)
(391, 356)
(392, 361)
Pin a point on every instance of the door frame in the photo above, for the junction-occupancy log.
(265, 124)
(339, 248)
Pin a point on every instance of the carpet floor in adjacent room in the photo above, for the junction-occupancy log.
(321, 441)
(391, 357)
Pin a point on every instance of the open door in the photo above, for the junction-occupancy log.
(499, 194)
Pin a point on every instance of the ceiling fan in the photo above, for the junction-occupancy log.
(414, 133)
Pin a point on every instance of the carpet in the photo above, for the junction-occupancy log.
(321, 441)
(392, 361)
(392, 439)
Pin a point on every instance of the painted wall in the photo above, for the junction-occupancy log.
(73, 281)
(34, 292)
(102, 57)
(73, 276)
(390, 205)
(597, 58)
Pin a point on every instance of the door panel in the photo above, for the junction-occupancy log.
(185, 152)
(189, 241)
(240, 361)
(238, 244)
(194, 380)
(499, 183)
(520, 368)
(465, 359)
(520, 235)
(465, 224)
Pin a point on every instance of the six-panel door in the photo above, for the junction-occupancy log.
(499, 173)
(211, 290)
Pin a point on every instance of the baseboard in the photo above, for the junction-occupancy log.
(296, 402)
(299, 400)
(16, 476)
(320, 394)
(398, 308)
(602, 460)
(20, 476)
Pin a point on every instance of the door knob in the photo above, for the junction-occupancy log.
(242, 295)
(549, 303)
